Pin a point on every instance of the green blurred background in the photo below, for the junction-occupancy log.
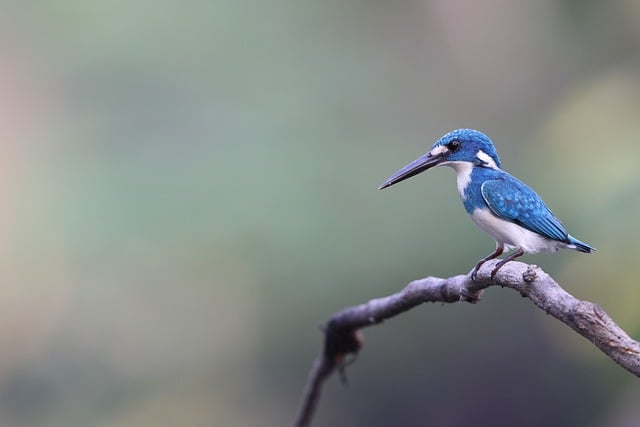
(190, 189)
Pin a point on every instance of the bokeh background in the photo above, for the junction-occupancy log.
(189, 189)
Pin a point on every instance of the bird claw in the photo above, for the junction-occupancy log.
(474, 273)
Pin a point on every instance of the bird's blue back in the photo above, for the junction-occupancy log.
(511, 199)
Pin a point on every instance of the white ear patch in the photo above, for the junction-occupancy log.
(485, 158)
(439, 150)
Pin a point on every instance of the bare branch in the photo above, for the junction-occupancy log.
(343, 336)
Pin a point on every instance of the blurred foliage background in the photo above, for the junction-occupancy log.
(190, 188)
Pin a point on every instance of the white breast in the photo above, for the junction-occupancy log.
(513, 235)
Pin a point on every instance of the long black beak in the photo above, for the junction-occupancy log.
(419, 165)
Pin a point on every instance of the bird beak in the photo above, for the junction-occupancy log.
(419, 165)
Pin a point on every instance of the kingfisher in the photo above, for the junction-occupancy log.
(499, 204)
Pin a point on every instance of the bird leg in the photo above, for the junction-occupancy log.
(497, 253)
(511, 257)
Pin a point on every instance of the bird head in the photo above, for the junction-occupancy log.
(461, 145)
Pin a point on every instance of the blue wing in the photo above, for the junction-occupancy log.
(514, 201)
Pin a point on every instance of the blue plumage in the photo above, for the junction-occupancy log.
(499, 203)
(514, 201)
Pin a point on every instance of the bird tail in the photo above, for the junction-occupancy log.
(580, 246)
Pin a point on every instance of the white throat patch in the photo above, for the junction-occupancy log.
(463, 174)
(485, 158)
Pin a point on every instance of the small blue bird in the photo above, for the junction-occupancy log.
(499, 204)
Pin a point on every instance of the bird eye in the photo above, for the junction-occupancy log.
(453, 145)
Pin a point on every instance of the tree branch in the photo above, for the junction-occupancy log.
(342, 332)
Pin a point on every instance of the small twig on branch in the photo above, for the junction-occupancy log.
(343, 336)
